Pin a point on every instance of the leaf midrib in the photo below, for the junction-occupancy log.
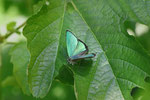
(61, 30)
(97, 42)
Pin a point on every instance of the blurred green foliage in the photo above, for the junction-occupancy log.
(11, 26)
(24, 6)
(6, 66)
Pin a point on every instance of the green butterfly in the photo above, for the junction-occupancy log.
(76, 48)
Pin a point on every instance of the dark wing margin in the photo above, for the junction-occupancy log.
(78, 57)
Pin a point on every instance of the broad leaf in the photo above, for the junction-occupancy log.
(119, 60)
(43, 32)
(20, 57)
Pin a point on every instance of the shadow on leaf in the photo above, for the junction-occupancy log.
(83, 67)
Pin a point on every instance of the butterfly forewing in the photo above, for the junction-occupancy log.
(71, 43)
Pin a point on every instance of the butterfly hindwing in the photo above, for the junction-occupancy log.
(81, 47)
(77, 57)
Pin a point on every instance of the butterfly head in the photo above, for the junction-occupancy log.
(70, 61)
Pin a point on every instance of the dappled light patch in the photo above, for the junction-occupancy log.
(141, 29)
(47, 3)
(130, 32)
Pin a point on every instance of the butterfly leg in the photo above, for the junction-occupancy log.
(70, 61)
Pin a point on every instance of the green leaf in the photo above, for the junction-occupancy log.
(11, 26)
(20, 58)
(130, 25)
(145, 40)
(59, 91)
(46, 26)
(9, 81)
(111, 76)
(140, 94)
(119, 60)
(65, 76)
(6, 65)
(37, 7)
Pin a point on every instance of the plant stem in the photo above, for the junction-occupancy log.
(10, 33)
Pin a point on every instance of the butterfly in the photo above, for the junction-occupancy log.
(76, 48)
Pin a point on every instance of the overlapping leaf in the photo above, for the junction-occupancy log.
(120, 59)
(43, 32)
(20, 57)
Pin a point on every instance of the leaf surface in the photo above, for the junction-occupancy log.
(20, 57)
(119, 60)
(43, 32)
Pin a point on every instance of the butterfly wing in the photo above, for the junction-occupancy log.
(81, 48)
(74, 45)
(72, 42)
(77, 57)
(76, 48)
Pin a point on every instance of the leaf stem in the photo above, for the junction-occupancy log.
(10, 33)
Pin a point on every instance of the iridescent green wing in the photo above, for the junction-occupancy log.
(80, 48)
(74, 45)
(76, 48)
(72, 42)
